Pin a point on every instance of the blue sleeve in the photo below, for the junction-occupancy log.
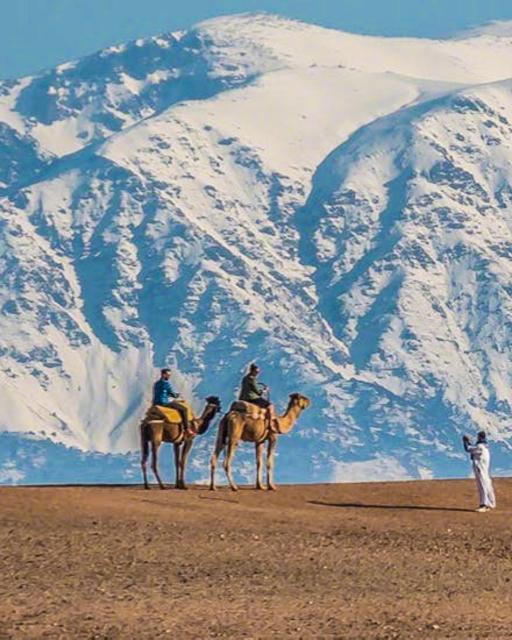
(170, 390)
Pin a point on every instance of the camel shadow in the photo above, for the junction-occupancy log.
(360, 505)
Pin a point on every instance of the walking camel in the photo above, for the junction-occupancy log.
(154, 430)
(249, 423)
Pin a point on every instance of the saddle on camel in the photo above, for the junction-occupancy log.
(253, 399)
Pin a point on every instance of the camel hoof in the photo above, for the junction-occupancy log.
(272, 487)
(182, 487)
(212, 488)
(234, 488)
(147, 487)
(259, 487)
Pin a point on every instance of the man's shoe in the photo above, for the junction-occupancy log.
(482, 509)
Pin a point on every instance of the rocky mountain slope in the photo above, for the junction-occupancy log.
(335, 206)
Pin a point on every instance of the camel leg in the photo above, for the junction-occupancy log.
(177, 457)
(259, 460)
(227, 464)
(154, 462)
(187, 446)
(219, 447)
(270, 463)
(144, 446)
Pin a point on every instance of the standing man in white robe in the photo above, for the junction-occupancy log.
(481, 459)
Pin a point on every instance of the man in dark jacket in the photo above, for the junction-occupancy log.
(163, 392)
(253, 391)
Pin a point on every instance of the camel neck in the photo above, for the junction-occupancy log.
(288, 419)
(203, 422)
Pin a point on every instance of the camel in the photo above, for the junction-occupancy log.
(253, 426)
(156, 431)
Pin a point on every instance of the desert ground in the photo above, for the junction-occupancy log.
(390, 560)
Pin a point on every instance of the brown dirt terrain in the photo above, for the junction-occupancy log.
(391, 560)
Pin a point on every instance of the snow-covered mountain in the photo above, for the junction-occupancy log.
(337, 207)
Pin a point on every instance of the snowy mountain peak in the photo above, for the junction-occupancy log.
(339, 212)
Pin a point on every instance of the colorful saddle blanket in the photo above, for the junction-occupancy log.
(157, 412)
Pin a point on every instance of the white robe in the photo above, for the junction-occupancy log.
(481, 458)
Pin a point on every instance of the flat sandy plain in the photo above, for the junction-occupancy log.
(391, 560)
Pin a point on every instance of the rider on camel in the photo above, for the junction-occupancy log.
(163, 392)
(253, 391)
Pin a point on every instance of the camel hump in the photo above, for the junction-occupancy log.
(249, 409)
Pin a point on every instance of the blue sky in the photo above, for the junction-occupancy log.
(39, 33)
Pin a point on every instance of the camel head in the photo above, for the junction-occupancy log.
(299, 401)
(211, 409)
(296, 405)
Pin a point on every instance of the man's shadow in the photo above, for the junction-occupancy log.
(360, 505)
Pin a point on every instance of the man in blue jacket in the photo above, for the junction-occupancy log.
(163, 394)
